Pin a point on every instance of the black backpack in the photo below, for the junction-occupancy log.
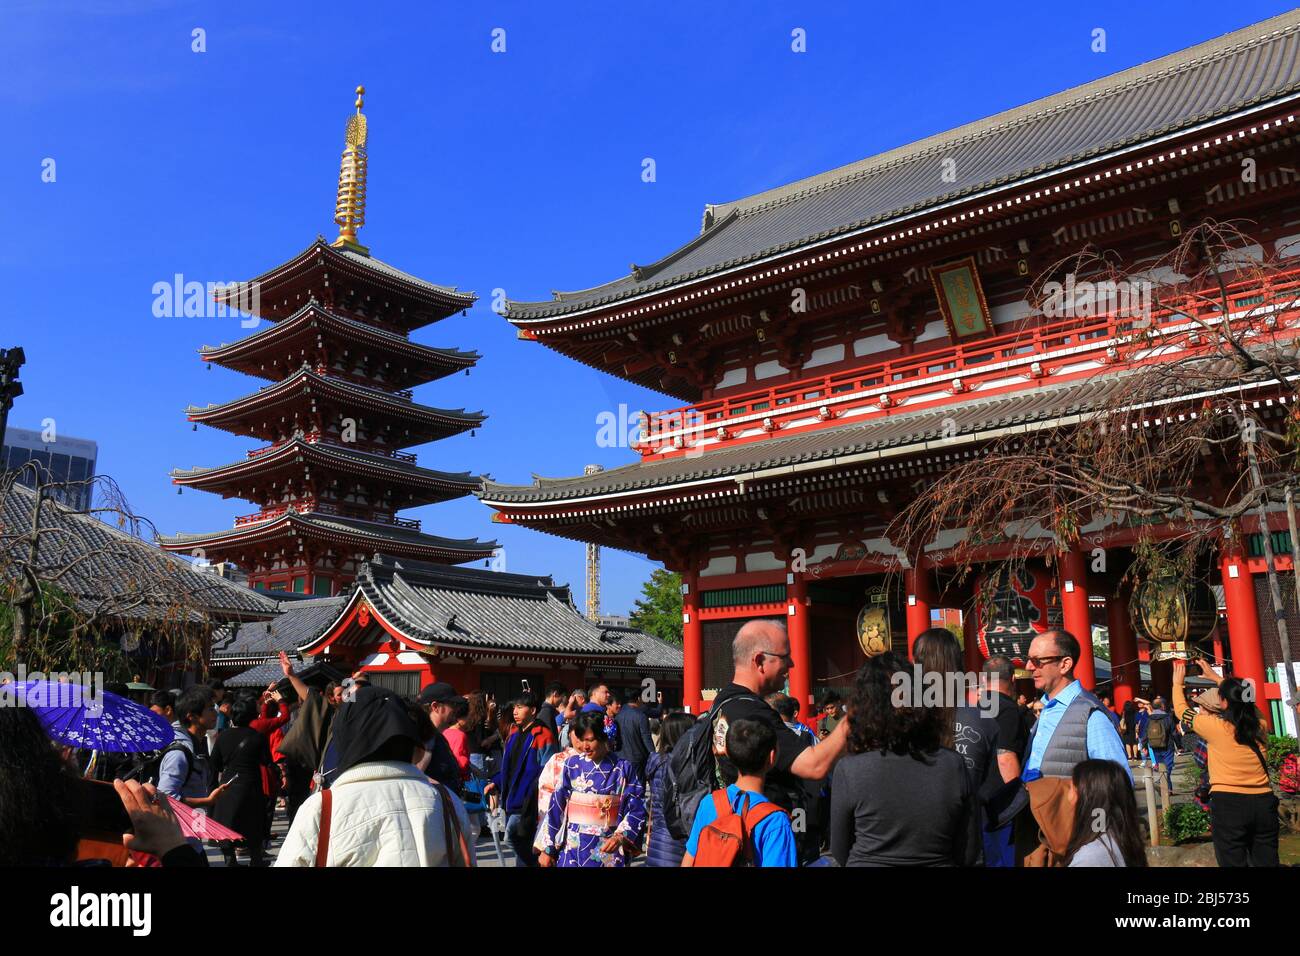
(147, 767)
(692, 773)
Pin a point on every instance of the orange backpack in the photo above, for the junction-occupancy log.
(728, 840)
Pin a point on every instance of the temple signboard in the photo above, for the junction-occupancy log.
(961, 300)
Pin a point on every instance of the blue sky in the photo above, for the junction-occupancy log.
(519, 171)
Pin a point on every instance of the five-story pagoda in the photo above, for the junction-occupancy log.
(332, 475)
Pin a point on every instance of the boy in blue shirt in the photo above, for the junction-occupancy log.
(751, 747)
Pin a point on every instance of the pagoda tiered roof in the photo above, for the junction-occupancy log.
(351, 282)
(353, 535)
(271, 466)
(314, 332)
(403, 422)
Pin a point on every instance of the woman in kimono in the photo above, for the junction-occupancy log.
(597, 813)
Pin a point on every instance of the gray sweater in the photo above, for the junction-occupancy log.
(1100, 852)
(891, 810)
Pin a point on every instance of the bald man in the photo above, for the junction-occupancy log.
(761, 659)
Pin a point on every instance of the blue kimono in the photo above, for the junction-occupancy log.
(593, 802)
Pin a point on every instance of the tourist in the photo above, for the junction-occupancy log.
(383, 809)
(788, 708)
(1128, 729)
(547, 782)
(1072, 726)
(1110, 713)
(662, 848)
(441, 702)
(237, 762)
(900, 798)
(597, 814)
(162, 703)
(832, 713)
(761, 661)
(635, 743)
(553, 699)
(183, 773)
(1244, 820)
(600, 699)
(1013, 735)
(308, 741)
(457, 738)
(1159, 739)
(1107, 830)
(527, 749)
(767, 837)
(222, 700)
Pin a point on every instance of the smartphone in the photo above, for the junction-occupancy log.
(101, 808)
(525, 686)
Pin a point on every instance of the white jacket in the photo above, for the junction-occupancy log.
(385, 813)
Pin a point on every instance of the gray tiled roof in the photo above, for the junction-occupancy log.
(883, 435)
(651, 651)
(343, 455)
(1233, 73)
(111, 569)
(470, 608)
(297, 623)
(370, 262)
(375, 531)
(449, 356)
(305, 378)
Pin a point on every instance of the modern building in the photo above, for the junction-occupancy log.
(67, 465)
(332, 474)
(836, 343)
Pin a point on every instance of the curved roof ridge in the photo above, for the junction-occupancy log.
(1110, 85)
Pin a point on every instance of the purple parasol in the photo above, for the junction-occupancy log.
(79, 717)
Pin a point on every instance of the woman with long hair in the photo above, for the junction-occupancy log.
(900, 798)
(1128, 728)
(1243, 808)
(1106, 831)
(662, 849)
(974, 735)
(39, 804)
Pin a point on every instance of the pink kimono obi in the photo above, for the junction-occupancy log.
(593, 809)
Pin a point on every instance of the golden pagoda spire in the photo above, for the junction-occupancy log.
(350, 208)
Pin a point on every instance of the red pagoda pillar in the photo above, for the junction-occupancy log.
(1126, 680)
(799, 628)
(1245, 643)
(919, 581)
(692, 645)
(1071, 577)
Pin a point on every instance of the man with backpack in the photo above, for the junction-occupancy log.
(1160, 738)
(700, 763)
(182, 770)
(737, 825)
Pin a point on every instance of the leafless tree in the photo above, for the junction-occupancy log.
(1174, 438)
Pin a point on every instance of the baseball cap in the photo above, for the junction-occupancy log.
(439, 693)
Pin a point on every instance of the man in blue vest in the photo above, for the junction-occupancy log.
(1073, 726)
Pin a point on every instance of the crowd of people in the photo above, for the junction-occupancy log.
(592, 778)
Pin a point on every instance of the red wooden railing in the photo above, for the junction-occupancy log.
(312, 437)
(303, 505)
(1038, 350)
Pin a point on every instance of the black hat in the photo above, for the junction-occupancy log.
(440, 693)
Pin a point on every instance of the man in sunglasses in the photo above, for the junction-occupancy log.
(1073, 726)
